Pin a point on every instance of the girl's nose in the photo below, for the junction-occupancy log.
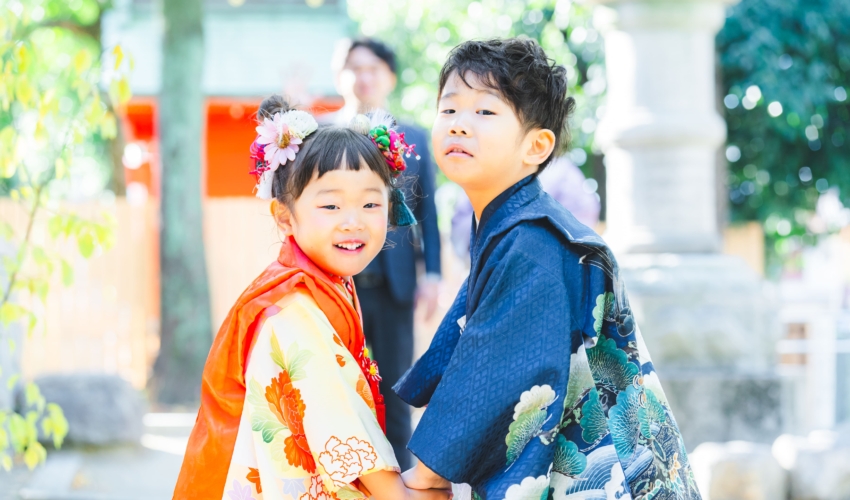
(351, 222)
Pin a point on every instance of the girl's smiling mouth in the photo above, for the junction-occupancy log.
(350, 246)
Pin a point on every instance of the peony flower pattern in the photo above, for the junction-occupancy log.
(286, 404)
(346, 461)
(317, 491)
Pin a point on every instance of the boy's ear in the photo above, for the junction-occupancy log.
(541, 143)
(282, 216)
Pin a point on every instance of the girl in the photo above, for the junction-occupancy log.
(290, 407)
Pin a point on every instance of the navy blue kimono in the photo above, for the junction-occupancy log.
(538, 383)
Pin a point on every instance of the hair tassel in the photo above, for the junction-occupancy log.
(402, 215)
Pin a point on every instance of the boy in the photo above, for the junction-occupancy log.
(538, 383)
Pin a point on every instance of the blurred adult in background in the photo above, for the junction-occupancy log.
(562, 180)
(390, 287)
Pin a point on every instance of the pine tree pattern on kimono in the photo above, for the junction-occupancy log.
(547, 391)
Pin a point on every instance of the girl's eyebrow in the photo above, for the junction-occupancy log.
(449, 95)
(332, 191)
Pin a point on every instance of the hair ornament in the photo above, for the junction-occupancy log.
(391, 144)
(277, 142)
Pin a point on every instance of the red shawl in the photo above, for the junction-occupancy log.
(211, 444)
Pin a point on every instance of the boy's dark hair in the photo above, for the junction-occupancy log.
(377, 47)
(322, 151)
(531, 83)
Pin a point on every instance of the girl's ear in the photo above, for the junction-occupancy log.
(282, 216)
(541, 144)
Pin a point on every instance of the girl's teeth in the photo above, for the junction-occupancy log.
(349, 246)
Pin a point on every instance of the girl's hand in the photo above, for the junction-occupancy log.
(421, 477)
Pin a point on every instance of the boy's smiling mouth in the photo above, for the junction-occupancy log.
(457, 150)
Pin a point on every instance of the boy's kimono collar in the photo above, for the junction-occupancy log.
(213, 438)
(524, 201)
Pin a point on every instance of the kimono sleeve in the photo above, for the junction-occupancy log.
(510, 366)
(312, 405)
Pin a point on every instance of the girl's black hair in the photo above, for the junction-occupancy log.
(329, 148)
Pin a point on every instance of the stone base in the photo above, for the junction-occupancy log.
(738, 470)
(710, 326)
(717, 408)
(101, 409)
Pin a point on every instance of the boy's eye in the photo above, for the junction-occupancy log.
(486, 112)
(371, 205)
(447, 111)
(329, 207)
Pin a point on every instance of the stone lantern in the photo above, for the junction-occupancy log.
(705, 316)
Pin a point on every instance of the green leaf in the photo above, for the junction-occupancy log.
(256, 395)
(119, 56)
(264, 421)
(297, 359)
(277, 353)
(6, 461)
(58, 424)
(4, 439)
(13, 380)
(85, 243)
(18, 432)
(10, 312)
(34, 455)
(33, 396)
(67, 273)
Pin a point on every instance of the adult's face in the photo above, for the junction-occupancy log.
(366, 78)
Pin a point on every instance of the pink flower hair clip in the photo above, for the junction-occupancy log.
(277, 142)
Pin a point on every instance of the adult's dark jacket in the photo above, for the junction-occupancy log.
(404, 245)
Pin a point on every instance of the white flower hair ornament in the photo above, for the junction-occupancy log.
(277, 142)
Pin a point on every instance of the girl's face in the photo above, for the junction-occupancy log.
(340, 220)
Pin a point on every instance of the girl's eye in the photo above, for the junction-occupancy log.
(486, 112)
(371, 205)
(329, 207)
(447, 111)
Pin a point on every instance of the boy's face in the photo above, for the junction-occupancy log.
(479, 141)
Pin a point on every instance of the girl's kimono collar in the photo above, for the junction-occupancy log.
(213, 438)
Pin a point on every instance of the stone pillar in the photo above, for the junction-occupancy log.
(705, 316)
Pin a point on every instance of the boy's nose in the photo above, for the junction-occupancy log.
(457, 129)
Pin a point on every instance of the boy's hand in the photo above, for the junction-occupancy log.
(421, 477)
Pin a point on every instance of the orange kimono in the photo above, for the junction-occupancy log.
(288, 396)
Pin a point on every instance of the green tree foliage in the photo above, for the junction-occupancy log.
(424, 31)
(52, 111)
(786, 76)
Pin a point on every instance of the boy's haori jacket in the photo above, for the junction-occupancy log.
(538, 384)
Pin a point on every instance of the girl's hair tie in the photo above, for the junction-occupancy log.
(277, 142)
(379, 126)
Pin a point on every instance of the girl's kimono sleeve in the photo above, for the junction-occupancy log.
(506, 379)
(311, 412)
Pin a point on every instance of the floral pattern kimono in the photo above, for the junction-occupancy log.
(309, 420)
(538, 382)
